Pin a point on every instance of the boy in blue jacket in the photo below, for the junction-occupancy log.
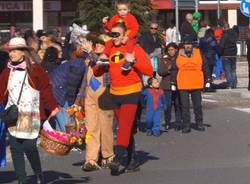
(155, 101)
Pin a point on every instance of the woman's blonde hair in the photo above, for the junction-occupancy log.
(28, 59)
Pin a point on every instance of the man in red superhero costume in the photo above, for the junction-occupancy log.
(125, 89)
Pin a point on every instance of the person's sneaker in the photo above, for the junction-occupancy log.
(149, 133)
(157, 134)
(133, 166)
(90, 166)
(201, 128)
(115, 168)
(167, 127)
(107, 162)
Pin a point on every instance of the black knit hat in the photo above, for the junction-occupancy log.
(187, 39)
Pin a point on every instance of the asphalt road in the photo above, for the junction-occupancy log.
(220, 155)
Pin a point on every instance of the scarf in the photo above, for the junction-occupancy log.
(17, 65)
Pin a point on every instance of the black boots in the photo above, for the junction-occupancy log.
(39, 178)
(133, 162)
(116, 166)
(200, 127)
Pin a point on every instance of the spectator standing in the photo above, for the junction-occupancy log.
(171, 33)
(228, 52)
(4, 58)
(189, 74)
(50, 60)
(172, 97)
(218, 69)
(48, 39)
(209, 48)
(155, 102)
(187, 29)
(151, 43)
(202, 30)
(248, 59)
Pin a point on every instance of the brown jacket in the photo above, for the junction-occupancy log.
(164, 70)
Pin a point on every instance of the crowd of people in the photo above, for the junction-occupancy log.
(113, 76)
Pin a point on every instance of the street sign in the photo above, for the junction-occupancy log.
(245, 7)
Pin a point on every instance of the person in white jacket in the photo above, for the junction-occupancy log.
(171, 33)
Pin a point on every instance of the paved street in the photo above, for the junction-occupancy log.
(220, 155)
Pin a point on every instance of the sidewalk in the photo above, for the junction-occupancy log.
(242, 77)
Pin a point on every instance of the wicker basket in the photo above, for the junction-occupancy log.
(53, 145)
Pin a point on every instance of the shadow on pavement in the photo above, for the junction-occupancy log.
(145, 156)
(51, 177)
(194, 126)
(78, 163)
(70, 181)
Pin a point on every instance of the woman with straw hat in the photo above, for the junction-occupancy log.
(25, 84)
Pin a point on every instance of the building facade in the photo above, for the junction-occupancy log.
(229, 10)
(19, 13)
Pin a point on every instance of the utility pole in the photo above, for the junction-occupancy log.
(177, 20)
(196, 5)
(218, 9)
(37, 14)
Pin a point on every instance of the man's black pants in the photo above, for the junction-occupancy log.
(197, 106)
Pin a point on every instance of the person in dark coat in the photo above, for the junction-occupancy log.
(208, 47)
(150, 41)
(50, 61)
(172, 97)
(248, 59)
(67, 79)
(4, 57)
(228, 52)
(187, 29)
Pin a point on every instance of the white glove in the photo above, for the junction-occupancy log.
(208, 85)
(173, 87)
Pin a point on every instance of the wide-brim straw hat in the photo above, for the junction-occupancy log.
(17, 43)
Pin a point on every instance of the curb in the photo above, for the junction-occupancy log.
(236, 93)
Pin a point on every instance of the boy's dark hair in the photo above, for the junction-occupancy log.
(121, 25)
(150, 80)
(209, 32)
(51, 54)
(126, 2)
(95, 38)
(172, 44)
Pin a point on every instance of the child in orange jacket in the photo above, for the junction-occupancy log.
(123, 15)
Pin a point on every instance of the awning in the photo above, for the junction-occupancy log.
(162, 4)
(212, 5)
(203, 5)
